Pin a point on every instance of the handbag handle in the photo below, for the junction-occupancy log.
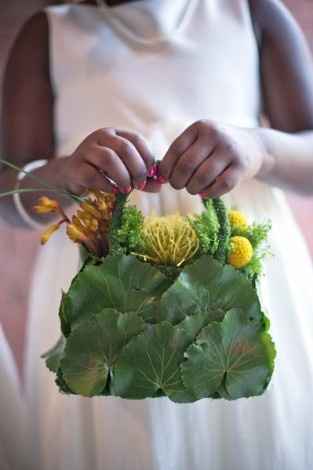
(215, 205)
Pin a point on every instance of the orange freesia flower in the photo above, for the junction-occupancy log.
(75, 234)
(90, 209)
(50, 231)
(78, 222)
(46, 205)
(88, 226)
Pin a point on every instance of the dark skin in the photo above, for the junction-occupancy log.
(205, 158)
(112, 3)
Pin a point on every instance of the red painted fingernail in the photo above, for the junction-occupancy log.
(141, 186)
(203, 195)
(115, 190)
(153, 170)
(126, 190)
(162, 180)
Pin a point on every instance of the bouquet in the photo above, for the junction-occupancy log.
(161, 306)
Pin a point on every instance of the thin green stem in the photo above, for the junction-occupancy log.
(28, 190)
(41, 182)
(28, 173)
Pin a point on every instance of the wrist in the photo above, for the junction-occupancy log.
(62, 172)
(66, 176)
(56, 173)
(266, 160)
(25, 215)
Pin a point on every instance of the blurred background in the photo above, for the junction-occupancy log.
(18, 248)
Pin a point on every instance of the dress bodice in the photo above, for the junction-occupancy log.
(152, 61)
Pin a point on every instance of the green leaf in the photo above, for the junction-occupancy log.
(268, 343)
(229, 357)
(93, 346)
(63, 387)
(150, 365)
(54, 355)
(120, 282)
(192, 325)
(63, 315)
(210, 288)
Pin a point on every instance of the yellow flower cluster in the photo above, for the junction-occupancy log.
(91, 220)
(238, 220)
(240, 253)
(90, 223)
(45, 236)
(169, 240)
(45, 205)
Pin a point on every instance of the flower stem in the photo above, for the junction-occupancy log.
(41, 182)
(26, 190)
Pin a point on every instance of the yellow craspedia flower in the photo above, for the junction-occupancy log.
(169, 240)
(45, 205)
(238, 220)
(240, 253)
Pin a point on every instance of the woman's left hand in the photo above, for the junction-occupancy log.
(211, 160)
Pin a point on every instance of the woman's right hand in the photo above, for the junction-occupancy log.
(110, 160)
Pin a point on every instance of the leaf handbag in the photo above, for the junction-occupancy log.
(164, 306)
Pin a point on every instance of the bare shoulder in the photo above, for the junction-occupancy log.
(274, 19)
(30, 46)
(36, 26)
(286, 67)
(26, 92)
(281, 35)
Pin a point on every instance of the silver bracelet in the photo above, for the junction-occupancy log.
(34, 165)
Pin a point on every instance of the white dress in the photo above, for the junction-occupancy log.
(155, 66)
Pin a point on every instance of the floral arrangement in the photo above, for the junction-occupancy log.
(162, 306)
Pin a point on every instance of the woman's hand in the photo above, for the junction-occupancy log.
(211, 160)
(110, 160)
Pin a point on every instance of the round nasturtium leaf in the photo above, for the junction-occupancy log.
(63, 315)
(93, 346)
(233, 357)
(119, 282)
(211, 288)
(54, 355)
(150, 364)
